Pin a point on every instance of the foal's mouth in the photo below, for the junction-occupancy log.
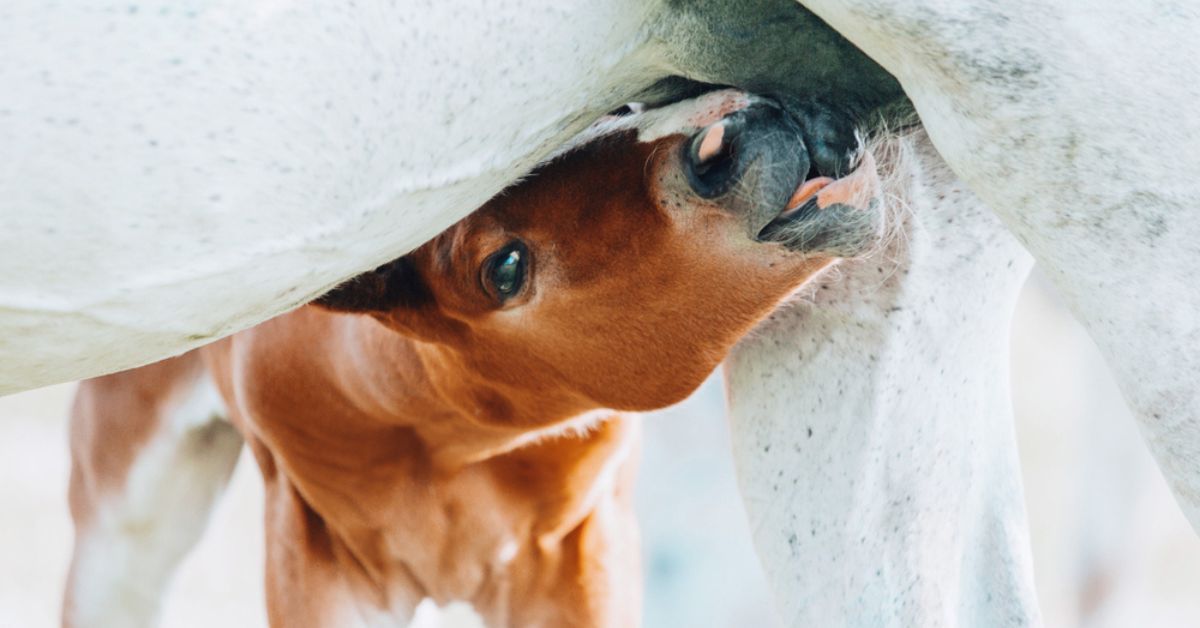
(755, 164)
(830, 216)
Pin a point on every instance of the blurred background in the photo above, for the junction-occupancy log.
(1111, 549)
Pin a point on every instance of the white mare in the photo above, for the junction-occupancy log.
(1077, 123)
(872, 423)
(172, 172)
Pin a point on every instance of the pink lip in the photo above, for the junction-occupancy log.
(807, 190)
(855, 189)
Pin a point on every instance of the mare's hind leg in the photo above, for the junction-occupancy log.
(150, 454)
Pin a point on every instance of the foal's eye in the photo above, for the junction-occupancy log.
(504, 271)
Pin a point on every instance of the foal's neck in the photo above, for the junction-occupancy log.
(460, 415)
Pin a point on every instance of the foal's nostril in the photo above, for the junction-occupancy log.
(708, 144)
(711, 158)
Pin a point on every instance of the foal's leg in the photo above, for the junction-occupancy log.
(150, 453)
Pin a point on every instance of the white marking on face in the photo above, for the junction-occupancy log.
(691, 115)
(683, 117)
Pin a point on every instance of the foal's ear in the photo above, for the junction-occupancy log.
(396, 284)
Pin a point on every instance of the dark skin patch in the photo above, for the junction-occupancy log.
(795, 56)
